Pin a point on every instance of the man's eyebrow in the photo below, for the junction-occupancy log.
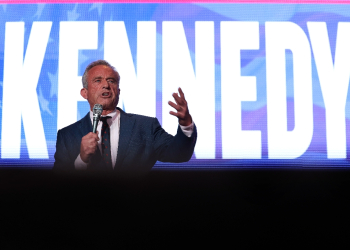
(112, 77)
(97, 77)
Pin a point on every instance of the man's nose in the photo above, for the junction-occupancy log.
(105, 83)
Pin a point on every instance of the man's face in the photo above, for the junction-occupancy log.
(103, 88)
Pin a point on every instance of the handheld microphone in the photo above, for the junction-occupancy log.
(97, 111)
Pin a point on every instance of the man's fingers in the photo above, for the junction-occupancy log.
(183, 115)
(177, 107)
(177, 98)
(182, 95)
(89, 143)
(93, 136)
(179, 115)
(174, 114)
(97, 138)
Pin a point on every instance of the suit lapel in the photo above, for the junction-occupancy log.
(125, 132)
(85, 125)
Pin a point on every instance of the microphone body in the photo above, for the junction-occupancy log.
(97, 111)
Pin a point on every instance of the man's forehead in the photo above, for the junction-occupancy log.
(100, 71)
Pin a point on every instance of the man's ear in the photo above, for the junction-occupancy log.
(83, 93)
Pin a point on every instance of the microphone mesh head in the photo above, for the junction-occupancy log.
(97, 110)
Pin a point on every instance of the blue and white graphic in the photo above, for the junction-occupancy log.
(266, 84)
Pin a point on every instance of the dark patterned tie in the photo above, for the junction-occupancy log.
(106, 143)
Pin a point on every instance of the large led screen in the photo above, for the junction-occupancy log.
(266, 82)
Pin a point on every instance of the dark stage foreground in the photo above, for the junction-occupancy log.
(168, 209)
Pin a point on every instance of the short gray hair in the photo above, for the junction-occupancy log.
(93, 64)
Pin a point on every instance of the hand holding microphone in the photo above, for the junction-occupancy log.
(97, 111)
(89, 143)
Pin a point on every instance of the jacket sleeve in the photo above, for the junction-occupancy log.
(63, 161)
(178, 148)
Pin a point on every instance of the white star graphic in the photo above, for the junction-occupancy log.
(97, 6)
(73, 15)
(82, 58)
(39, 10)
(102, 47)
(44, 104)
(54, 86)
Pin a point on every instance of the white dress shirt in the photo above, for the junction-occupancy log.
(114, 125)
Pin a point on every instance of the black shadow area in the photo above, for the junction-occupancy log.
(168, 209)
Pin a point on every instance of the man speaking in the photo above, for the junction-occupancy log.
(122, 141)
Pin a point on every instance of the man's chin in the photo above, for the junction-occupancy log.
(108, 106)
(106, 103)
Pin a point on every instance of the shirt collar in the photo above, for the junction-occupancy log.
(113, 114)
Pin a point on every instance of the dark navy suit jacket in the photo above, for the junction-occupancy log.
(142, 141)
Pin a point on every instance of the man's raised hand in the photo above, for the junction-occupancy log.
(182, 113)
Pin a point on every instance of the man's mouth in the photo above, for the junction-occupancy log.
(105, 94)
